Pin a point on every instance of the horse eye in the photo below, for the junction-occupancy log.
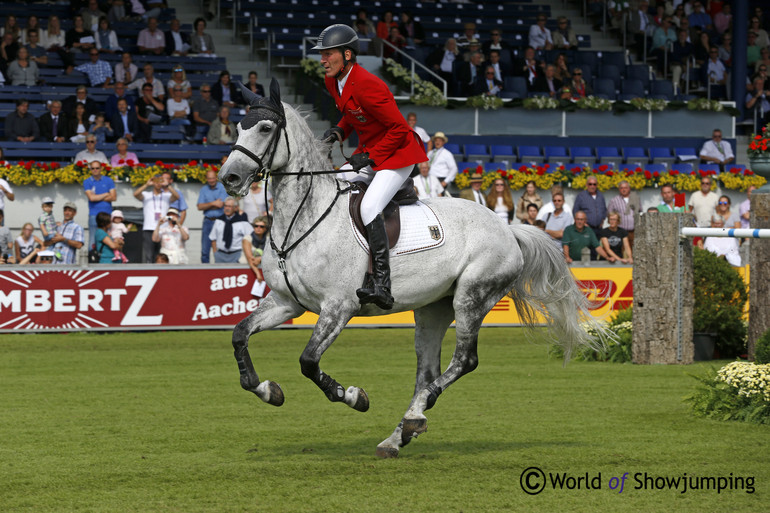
(265, 129)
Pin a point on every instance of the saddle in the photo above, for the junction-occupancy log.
(406, 195)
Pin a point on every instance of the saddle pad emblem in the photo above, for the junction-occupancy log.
(435, 233)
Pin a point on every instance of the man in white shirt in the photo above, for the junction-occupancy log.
(442, 162)
(125, 70)
(228, 233)
(5, 193)
(155, 205)
(426, 184)
(178, 108)
(703, 203)
(716, 150)
(716, 72)
(549, 207)
(558, 220)
(91, 153)
(539, 36)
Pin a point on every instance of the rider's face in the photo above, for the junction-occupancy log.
(332, 61)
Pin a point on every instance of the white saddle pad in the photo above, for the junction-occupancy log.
(421, 230)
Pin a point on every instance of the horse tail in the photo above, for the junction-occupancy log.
(546, 289)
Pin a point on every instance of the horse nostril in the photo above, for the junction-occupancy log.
(232, 179)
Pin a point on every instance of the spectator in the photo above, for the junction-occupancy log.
(539, 36)
(100, 191)
(628, 206)
(411, 120)
(81, 96)
(179, 204)
(564, 37)
(578, 236)
(20, 125)
(91, 154)
(124, 123)
(495, 42)
(6, 240)
(758, 101)
(100, 129)
(254, 86)
(98, 71)
(118, 230)
(723, 20)
(362, 15)
(105, 245)
(557, 220)
(54, 125)
(6, 191)
(528, 67)
(12, 27)
(474, 193)
(201, 43)
(591, 201)
(205, 109)
(427, 185)
(547, 83)
(397, 40)
(228, 232)
(662, 38)
(702, 49)
(178, 108)
(744, 210)
(726, 247)
(699, 18)
(752, 50)
(172, 235)
(162, 259)
(123, 157)
(500, 201)
(177, 42)
(715, 70)
(488, 84)
(469, 34)
(151, 41)
(385, 24)
(225, 92)
(502, 69)
(441, 61)
(761, 66)
(531, 218)
(91, 15)
(52, 38)
(222, 130)
(37, 53)
(442, 162)
(528, 197)
(25, 243)
(149, 111)
(149, 78)
(38, 256)
(717, 151)
(155, 204)
(78, 125)
(179, 79)
(23, 71)
(33, 23)
(615, 241)
(254, 205)
(125, 70)
(111, 103)
(78, 39)
(682, 50)
(411, 29)
(9, 47)
(667, 195)
(473, 46)
(69, 236)
(762, 40)
(578, 87)
(3, 162)
(469, 73)
(730, 218)
(144, 9)
(106, 39)
(254, 248)
(363, 36)
(561, 72)
(211, 200)
(703, 203)
(118, 11)
(726, 52)
(47, 221)
(550, 207)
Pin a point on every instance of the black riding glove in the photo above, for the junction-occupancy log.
(360, 161)
(334, 134)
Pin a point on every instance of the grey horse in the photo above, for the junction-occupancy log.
(314, 263)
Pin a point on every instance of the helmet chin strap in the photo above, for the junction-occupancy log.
(345, 63)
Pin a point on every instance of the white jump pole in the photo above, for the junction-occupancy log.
(740, 233)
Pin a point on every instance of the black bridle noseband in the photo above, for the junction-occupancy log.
(263, 173)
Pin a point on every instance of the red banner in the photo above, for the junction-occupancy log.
(39, 299)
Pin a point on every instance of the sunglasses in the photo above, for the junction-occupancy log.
(578, 74)
(205, 90)
(705, 183)
(97, 167)
(260, 226)
(178, 69)
(723, 203)
(592, 184)
(90, 142)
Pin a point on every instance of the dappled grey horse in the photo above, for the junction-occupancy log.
(314, 263)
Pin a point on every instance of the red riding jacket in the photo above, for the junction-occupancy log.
(368, 107)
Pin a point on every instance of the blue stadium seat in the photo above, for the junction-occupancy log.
(635, 154)
(604, 88)
(502, 153)
(684, 168)
(614, 59)
(608, 155)
(517, 85)
(661, 155)
(454, 149)
(463, 165)
(709, 168)
(686, 154)
(588, 58)
(659, 168)
(556, 154)
(611, 72)
(632, 86)
(529, 154)
(639, 72)
(662, 90)
(582, 154)
(476, 152)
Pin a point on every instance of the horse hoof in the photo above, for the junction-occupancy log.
(387, 452)
(270, 392)
(357, 399)
(411, 428)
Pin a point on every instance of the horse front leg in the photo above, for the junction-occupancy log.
(332, 319)
(272, 311)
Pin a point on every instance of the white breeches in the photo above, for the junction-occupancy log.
(383, 185)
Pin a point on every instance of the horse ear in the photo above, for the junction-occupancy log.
(275, 94)
(251, 98)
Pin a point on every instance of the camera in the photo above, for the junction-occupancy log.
(170, 219)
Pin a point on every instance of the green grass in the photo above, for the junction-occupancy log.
(158, 422)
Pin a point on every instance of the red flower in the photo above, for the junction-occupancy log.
(523, 169)
(702, 173)
(629, 172)
(54, 165)
(734, 170)
(648, 175)
(540, 171)
(638, 170)
(656, 174)
(192, 163)
(692, 172)
(610, 173)
(141, 165)
(673, 172)
(603, 168)
(479, 169)
(158, 162)
(121, 161)
(753, 145)
(576, 170)
(749, 172)
(130, 162)
(206, 166)
(503, 174)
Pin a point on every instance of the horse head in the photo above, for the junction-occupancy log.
(257, 150)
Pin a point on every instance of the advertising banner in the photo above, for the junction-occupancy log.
(137, 297)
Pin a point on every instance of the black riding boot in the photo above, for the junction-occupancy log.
(376, 288)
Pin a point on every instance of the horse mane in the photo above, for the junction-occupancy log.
(311, 156)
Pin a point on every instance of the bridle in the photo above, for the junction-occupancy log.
(264, 172)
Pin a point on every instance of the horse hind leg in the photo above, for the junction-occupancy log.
(431, 323)
(270, 313)
(331, 321)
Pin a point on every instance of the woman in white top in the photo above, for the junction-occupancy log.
(106, 39)
(32, 23)
(53, 37)
(25, 243)
(501, 201)
(13, 27)
(179, 79)
(253, 204)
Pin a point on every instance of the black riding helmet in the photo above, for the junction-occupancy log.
(338, 36)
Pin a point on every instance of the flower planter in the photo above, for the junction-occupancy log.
(760, 166)
(704, 344)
